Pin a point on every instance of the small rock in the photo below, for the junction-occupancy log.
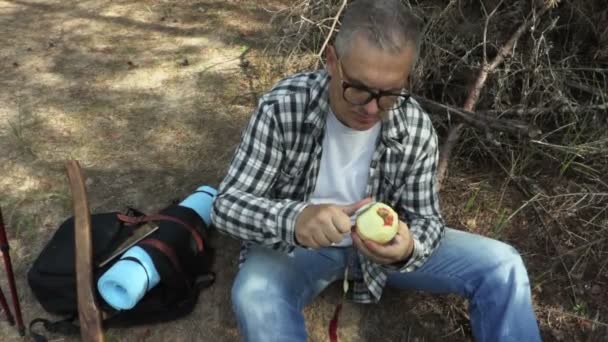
(15, 64)
(596, 290)
(184, 62)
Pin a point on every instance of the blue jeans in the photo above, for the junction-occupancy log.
(272, 288)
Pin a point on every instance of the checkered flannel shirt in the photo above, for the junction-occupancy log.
(274, 172)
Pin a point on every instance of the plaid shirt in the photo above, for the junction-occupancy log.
(274, 172)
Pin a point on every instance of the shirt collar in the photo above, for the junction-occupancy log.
(318, 104)
(394, 126)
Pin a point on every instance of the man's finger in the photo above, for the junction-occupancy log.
(341, 222)
(321, 240)
(351, 209)
(361, 246)
(312, 243)
(383, 253)
(376, 249)
(333, 235)
(309, 242)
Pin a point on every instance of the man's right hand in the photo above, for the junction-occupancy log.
(320, 225)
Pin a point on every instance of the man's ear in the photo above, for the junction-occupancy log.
(332, 61)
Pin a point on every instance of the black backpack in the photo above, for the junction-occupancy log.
(178, 249)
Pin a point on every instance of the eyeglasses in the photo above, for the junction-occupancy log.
(360, 95)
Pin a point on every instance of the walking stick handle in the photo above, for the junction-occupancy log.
(88, 311)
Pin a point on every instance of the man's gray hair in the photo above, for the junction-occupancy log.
(387, 24)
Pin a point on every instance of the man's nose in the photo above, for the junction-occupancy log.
(372, 107)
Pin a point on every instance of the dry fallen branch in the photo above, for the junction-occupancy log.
(486, 122)
(593, 321)
(331, 31)
(545, 110)
(599, 146)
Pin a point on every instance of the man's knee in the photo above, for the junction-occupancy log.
(255, 292)
(508, 267)
(249, 292)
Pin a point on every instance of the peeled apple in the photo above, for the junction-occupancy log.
(377, 222)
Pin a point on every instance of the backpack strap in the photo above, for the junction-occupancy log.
(205, 192)
(167, 251)
(160, 217)
(63, 327)
(131, 211)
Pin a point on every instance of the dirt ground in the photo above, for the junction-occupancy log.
(150, 97)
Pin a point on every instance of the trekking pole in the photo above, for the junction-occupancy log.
(10, 275)
(6, 309)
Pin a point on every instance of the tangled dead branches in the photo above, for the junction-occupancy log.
(553, 77)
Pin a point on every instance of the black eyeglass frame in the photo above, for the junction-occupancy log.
(403, 96)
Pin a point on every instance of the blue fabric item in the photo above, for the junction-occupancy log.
(123, 285)
(201, 201)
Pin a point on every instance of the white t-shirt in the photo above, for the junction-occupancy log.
(344, 170)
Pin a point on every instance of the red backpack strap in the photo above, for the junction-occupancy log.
(160, 217)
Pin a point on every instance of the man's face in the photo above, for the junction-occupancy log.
(366, 67)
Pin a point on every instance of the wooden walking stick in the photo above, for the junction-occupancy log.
(8, 265)
(88, 311)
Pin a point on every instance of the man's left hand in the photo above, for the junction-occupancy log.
(399, 249)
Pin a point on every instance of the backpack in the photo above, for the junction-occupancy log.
(178, 249)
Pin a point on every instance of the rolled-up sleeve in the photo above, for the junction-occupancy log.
(244, 207)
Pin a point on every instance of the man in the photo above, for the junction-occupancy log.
(323, 144)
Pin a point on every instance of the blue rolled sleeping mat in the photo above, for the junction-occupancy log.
(148, 263)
